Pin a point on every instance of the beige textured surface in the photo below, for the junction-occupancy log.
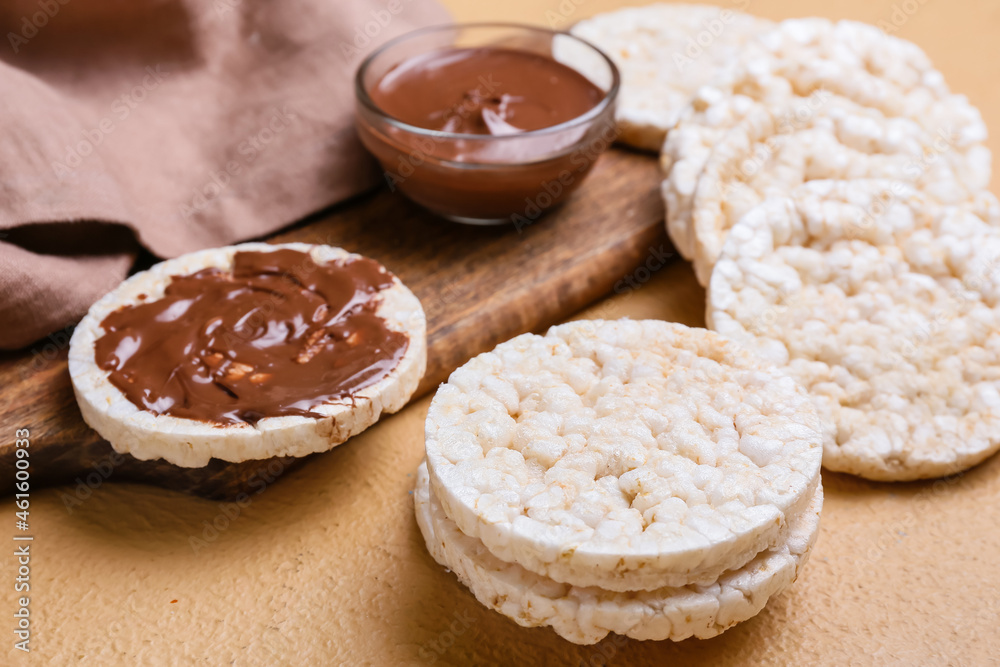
(328, 566)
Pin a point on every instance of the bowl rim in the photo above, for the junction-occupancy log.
(362, 96)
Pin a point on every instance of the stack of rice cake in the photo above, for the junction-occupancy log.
(636, 477)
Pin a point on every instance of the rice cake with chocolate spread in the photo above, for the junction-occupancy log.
(247, 352)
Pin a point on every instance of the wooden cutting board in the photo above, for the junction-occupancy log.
(478, 285)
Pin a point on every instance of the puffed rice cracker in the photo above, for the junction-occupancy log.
(776, 149)
(585, 615)
(664, 53)
(886, 307)
(810, 72)
(622, 454)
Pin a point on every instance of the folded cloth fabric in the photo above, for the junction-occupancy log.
(191, 123)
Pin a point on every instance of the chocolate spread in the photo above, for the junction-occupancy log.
(497, 165)
(277, 335)
(484, 91)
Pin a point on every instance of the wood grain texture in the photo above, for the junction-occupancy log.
(478, 285)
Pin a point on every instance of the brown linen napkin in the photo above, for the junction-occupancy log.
(195, 123)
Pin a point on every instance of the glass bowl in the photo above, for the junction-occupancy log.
(488, 179)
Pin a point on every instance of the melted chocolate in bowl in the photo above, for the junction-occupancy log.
(495, 130)
(484, 90)
(277, 335)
